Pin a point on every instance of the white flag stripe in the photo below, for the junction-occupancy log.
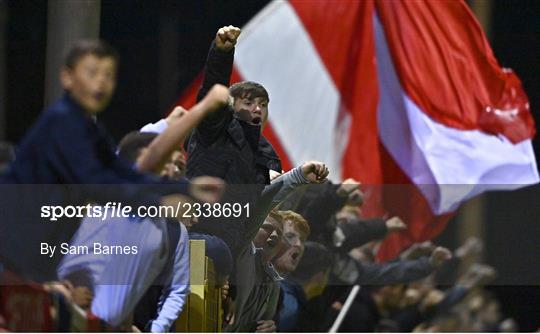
(432, 153)
(276, 51)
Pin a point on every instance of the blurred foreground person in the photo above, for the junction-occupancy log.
(68, 146)
(293, 298)
(162, 258)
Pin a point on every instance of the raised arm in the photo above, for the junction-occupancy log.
(161, 148)
(355, 233)
(218, 70)
(280, 188)
(219, 63)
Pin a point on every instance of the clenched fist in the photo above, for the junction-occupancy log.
(395, 224)
(226, 38)
(315, 171)
(439, 256)
(350, 188)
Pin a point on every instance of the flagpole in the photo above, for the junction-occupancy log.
(345, 309)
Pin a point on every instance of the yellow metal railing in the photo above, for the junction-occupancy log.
(202, 312)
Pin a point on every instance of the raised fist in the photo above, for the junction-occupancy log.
(439, 255)
(350, 188)
(417, 250)
(395, 224)
(347, 187)
(226, 38)
(315, 171)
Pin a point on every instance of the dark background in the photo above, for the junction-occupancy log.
(154, 69)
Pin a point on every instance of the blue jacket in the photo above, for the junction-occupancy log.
(67, 146)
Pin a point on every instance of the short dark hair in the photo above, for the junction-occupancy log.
(131, 145)
(83, 47)
(248, 89)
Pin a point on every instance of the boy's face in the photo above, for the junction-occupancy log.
(253, 110)
(288, 261)
(269, 237)
(175, 168)
(91, 82)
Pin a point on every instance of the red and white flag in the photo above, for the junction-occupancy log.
(404, 93)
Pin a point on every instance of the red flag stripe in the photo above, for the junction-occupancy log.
(447, 68)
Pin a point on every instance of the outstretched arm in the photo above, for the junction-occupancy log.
(281, 187)
(218, 70)
(403, 271)
(156, 156)
(219, 63)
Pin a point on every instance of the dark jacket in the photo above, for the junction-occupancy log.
(222, 145)
(65, 159)
(66, 146)
(226, 147)
(350, 271)
(319, 204)
(292, 303)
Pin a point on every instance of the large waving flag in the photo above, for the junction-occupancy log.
(405, 96)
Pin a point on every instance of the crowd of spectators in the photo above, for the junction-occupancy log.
(290, 265)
